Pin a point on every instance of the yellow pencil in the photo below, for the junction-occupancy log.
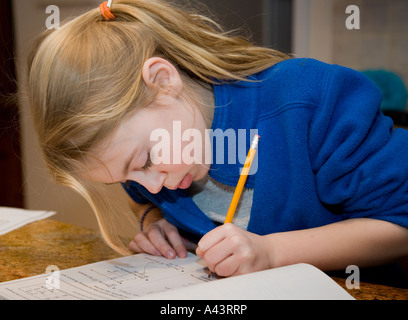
(242, 180)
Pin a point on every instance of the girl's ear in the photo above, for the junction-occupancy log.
(159, 74)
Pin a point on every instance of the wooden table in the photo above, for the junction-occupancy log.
(28, 251)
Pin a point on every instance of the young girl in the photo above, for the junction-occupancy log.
(135, 93)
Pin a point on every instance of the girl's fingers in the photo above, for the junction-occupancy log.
(160, 242)
(217, 254)
(229, 250)
(160, 238)
(227, 267)
(142, 244)
(176, 241)
(216, 235)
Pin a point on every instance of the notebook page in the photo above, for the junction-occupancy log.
(127, 277)
(295, 282)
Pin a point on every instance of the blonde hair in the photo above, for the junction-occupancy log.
(85, 78)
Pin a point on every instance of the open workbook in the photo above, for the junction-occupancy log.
(143, 276)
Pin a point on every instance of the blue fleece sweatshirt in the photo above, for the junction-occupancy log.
(326, 152)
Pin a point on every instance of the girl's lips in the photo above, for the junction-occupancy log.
(186, 182)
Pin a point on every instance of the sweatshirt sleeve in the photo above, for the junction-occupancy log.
(132, 189)
(360, 162)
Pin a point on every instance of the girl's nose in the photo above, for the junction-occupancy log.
(154, 181)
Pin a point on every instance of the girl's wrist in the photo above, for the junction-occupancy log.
(144, 214)
(150, 214)
(272, 251)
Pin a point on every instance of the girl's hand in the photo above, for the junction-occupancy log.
(228, 250)
(161, 238)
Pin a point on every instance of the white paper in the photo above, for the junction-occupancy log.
(14, 218)
(295, 282)
(123, 278)
(149, 277)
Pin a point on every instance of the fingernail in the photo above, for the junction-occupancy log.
(170, 254)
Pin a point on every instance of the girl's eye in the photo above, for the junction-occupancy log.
(148, 163)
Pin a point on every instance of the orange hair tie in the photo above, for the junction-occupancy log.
(105, 10)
